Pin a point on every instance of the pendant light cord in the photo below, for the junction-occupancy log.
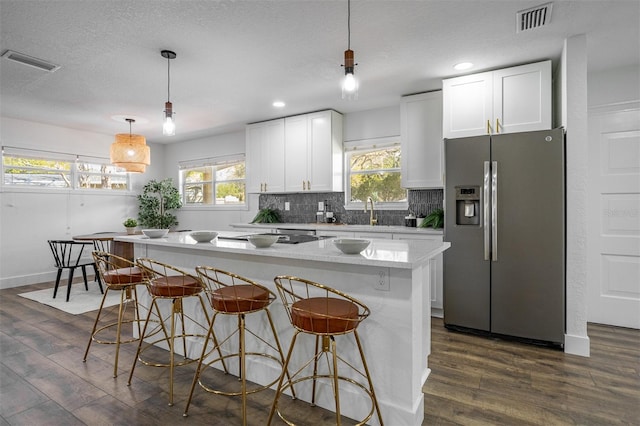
(349, 24)
(168, 79)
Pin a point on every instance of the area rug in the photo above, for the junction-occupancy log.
(80, 301)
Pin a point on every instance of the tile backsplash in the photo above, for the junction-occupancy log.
(303, 207)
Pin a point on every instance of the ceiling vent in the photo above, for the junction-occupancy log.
(535, 17)
(30, 61)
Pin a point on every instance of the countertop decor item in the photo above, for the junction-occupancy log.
(155, 233)
(203, 236)
(130, 224)
(156, 201)
(351, 246)
(267, 215)
(435, 219)
(263, 240)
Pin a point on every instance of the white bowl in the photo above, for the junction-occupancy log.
(351, 246)
(262, 241)
(155, 233)
(203, 236)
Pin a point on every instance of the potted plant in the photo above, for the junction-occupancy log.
(157, 200)
(130, 223)
(435, 219)
(267, 215)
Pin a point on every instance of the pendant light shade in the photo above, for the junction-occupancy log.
(169, 124)
(130, 151)
(350, 82)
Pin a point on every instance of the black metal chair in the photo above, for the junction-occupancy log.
(68, 254)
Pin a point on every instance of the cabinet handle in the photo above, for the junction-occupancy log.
(488, 127)
(304, 186)
(497, 125)
(308, 186)
(265, 187)
(261, 187)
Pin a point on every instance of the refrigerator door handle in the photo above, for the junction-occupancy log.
(485, 210)
(494, 211)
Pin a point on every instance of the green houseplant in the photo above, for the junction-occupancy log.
(130, 223)
(435, 219)
(158, 198)
(267, 215)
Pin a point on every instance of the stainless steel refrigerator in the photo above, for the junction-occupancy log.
(505, 218)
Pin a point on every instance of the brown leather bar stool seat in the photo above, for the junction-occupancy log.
(172, 285)
(125, 280)
(231, 294)
(325, 313)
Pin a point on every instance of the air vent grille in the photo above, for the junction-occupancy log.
(41, 64)
(533, 18)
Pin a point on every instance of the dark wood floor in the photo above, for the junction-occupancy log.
(474, 380)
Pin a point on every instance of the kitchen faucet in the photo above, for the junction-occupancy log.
(372, 219)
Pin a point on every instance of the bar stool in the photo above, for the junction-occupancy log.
(231, 294)
(324, 312)
(117, 277)
(169, 283)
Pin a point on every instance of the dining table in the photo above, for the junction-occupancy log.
(119, 248)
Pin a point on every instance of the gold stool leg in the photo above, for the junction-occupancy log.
(95, 325)
(285, 367)
(243, 366)
(366, 370)
(336, 387)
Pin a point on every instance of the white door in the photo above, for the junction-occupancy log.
(613, 218)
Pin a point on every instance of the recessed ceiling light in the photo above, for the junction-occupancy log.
(462, 66)
(278, 104)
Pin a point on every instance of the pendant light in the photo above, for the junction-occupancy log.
(349, 83)
(169, 124)
(130, 151)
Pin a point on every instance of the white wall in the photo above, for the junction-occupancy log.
(574, 119)
(28, 218)
(371, 124)
(614, 86)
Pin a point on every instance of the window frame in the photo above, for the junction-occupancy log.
(213, 163)
(368, 145)
(74, 173)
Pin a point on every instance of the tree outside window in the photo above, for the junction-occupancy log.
(375, 173)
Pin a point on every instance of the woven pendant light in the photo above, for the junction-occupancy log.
(130, 151)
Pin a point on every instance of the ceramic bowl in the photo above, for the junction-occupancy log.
(203, 236)
(155, 233)
(350, 245)
(262, 241)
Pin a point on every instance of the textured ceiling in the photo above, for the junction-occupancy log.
(234, 58)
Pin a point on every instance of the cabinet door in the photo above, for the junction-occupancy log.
(467, 105)
(325, 148)
(255, 136)
(422, 145)
(273, 158)
(522, 98)
(296, 153)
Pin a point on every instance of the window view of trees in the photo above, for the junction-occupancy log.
(376, 174)
(215, 185)
(42, 172)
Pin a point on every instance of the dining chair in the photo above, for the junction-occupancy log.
(70, 254)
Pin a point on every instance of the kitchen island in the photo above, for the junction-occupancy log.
(391, 277)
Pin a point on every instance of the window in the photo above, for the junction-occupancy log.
(23, 168)
(373, 170)
(214, 182)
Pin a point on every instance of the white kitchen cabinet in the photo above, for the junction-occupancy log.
(436, 267)
(313, 152)
(421, 141)
(509, 100)
(265, 156)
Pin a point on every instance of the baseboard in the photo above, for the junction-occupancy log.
(42, 277)
(577, 345)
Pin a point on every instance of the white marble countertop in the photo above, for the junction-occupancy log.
(400, 254)
(340, 227)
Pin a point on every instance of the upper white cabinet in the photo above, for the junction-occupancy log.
(265, 156)
(510, 100)
(421, 140)
(313, 152)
